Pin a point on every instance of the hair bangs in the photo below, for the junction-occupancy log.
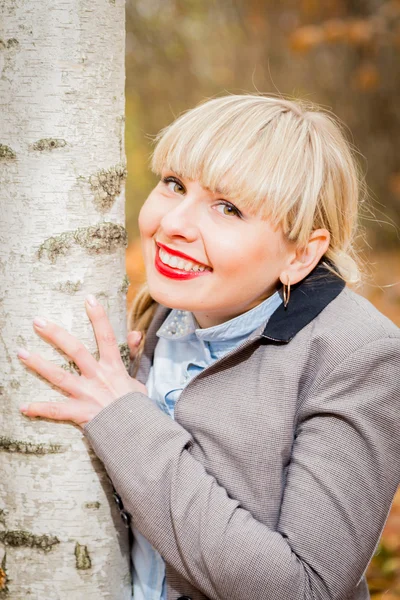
(231, 151)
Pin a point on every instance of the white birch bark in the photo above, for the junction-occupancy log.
(62, 236)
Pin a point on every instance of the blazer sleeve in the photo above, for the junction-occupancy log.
(339, 487)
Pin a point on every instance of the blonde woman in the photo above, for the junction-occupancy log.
(254, 446)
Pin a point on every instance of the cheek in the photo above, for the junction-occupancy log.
(247, 256)
(149, 218)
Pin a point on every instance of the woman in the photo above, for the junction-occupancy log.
(274, 477)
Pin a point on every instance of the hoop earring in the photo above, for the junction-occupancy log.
(286, 293)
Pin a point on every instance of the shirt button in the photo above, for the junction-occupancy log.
(126, 518)
(118, 500)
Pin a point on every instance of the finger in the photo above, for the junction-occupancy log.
(54, 374)
(67, 343)
(134, 338)
(58, 411)
(105, 337)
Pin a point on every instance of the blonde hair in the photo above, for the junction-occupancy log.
(288, 161)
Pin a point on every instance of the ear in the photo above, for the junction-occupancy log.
(306, 258)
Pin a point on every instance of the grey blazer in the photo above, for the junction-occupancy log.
(276, 478)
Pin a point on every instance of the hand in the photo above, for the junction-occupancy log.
(100, 383)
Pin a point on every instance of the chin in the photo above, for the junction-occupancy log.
(170, 300)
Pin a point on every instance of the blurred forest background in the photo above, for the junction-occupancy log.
(341, 54)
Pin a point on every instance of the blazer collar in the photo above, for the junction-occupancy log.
(307, 299)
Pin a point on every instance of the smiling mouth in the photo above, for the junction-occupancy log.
(178, 268)
(181, 264)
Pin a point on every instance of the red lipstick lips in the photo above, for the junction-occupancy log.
(181, 254)
(174, 273)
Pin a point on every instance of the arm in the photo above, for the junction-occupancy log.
(340, 484)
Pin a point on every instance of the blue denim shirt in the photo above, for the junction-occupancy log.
(183, 350)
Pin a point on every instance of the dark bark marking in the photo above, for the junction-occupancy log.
(7, 153)
(107, 185)
(125, 285)
(69, 287)
(71, 367)
(83, 561)
(124, 352)
(3, 578)
(2, 517)
(95, 505)
(102, 238)
(55, 246)
(20, 537)
(48, 144)
(27, 447)
(12, 43)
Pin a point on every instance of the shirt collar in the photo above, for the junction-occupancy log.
(180, 323)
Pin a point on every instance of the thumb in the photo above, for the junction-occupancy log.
(134, 338)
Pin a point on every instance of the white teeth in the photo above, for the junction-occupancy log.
(180, 263)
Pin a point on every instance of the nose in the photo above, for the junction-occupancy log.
(182, 220)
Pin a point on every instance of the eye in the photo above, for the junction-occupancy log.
(229, 209)
(174, 185)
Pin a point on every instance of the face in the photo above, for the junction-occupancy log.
(204, 255)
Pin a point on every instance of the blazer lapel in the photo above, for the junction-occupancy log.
(307, 299)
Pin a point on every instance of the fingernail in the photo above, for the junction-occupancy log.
(22, 353)
(23, 408)
(90, 299)
(39, 322)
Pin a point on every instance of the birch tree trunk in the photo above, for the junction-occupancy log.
(62, 236)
